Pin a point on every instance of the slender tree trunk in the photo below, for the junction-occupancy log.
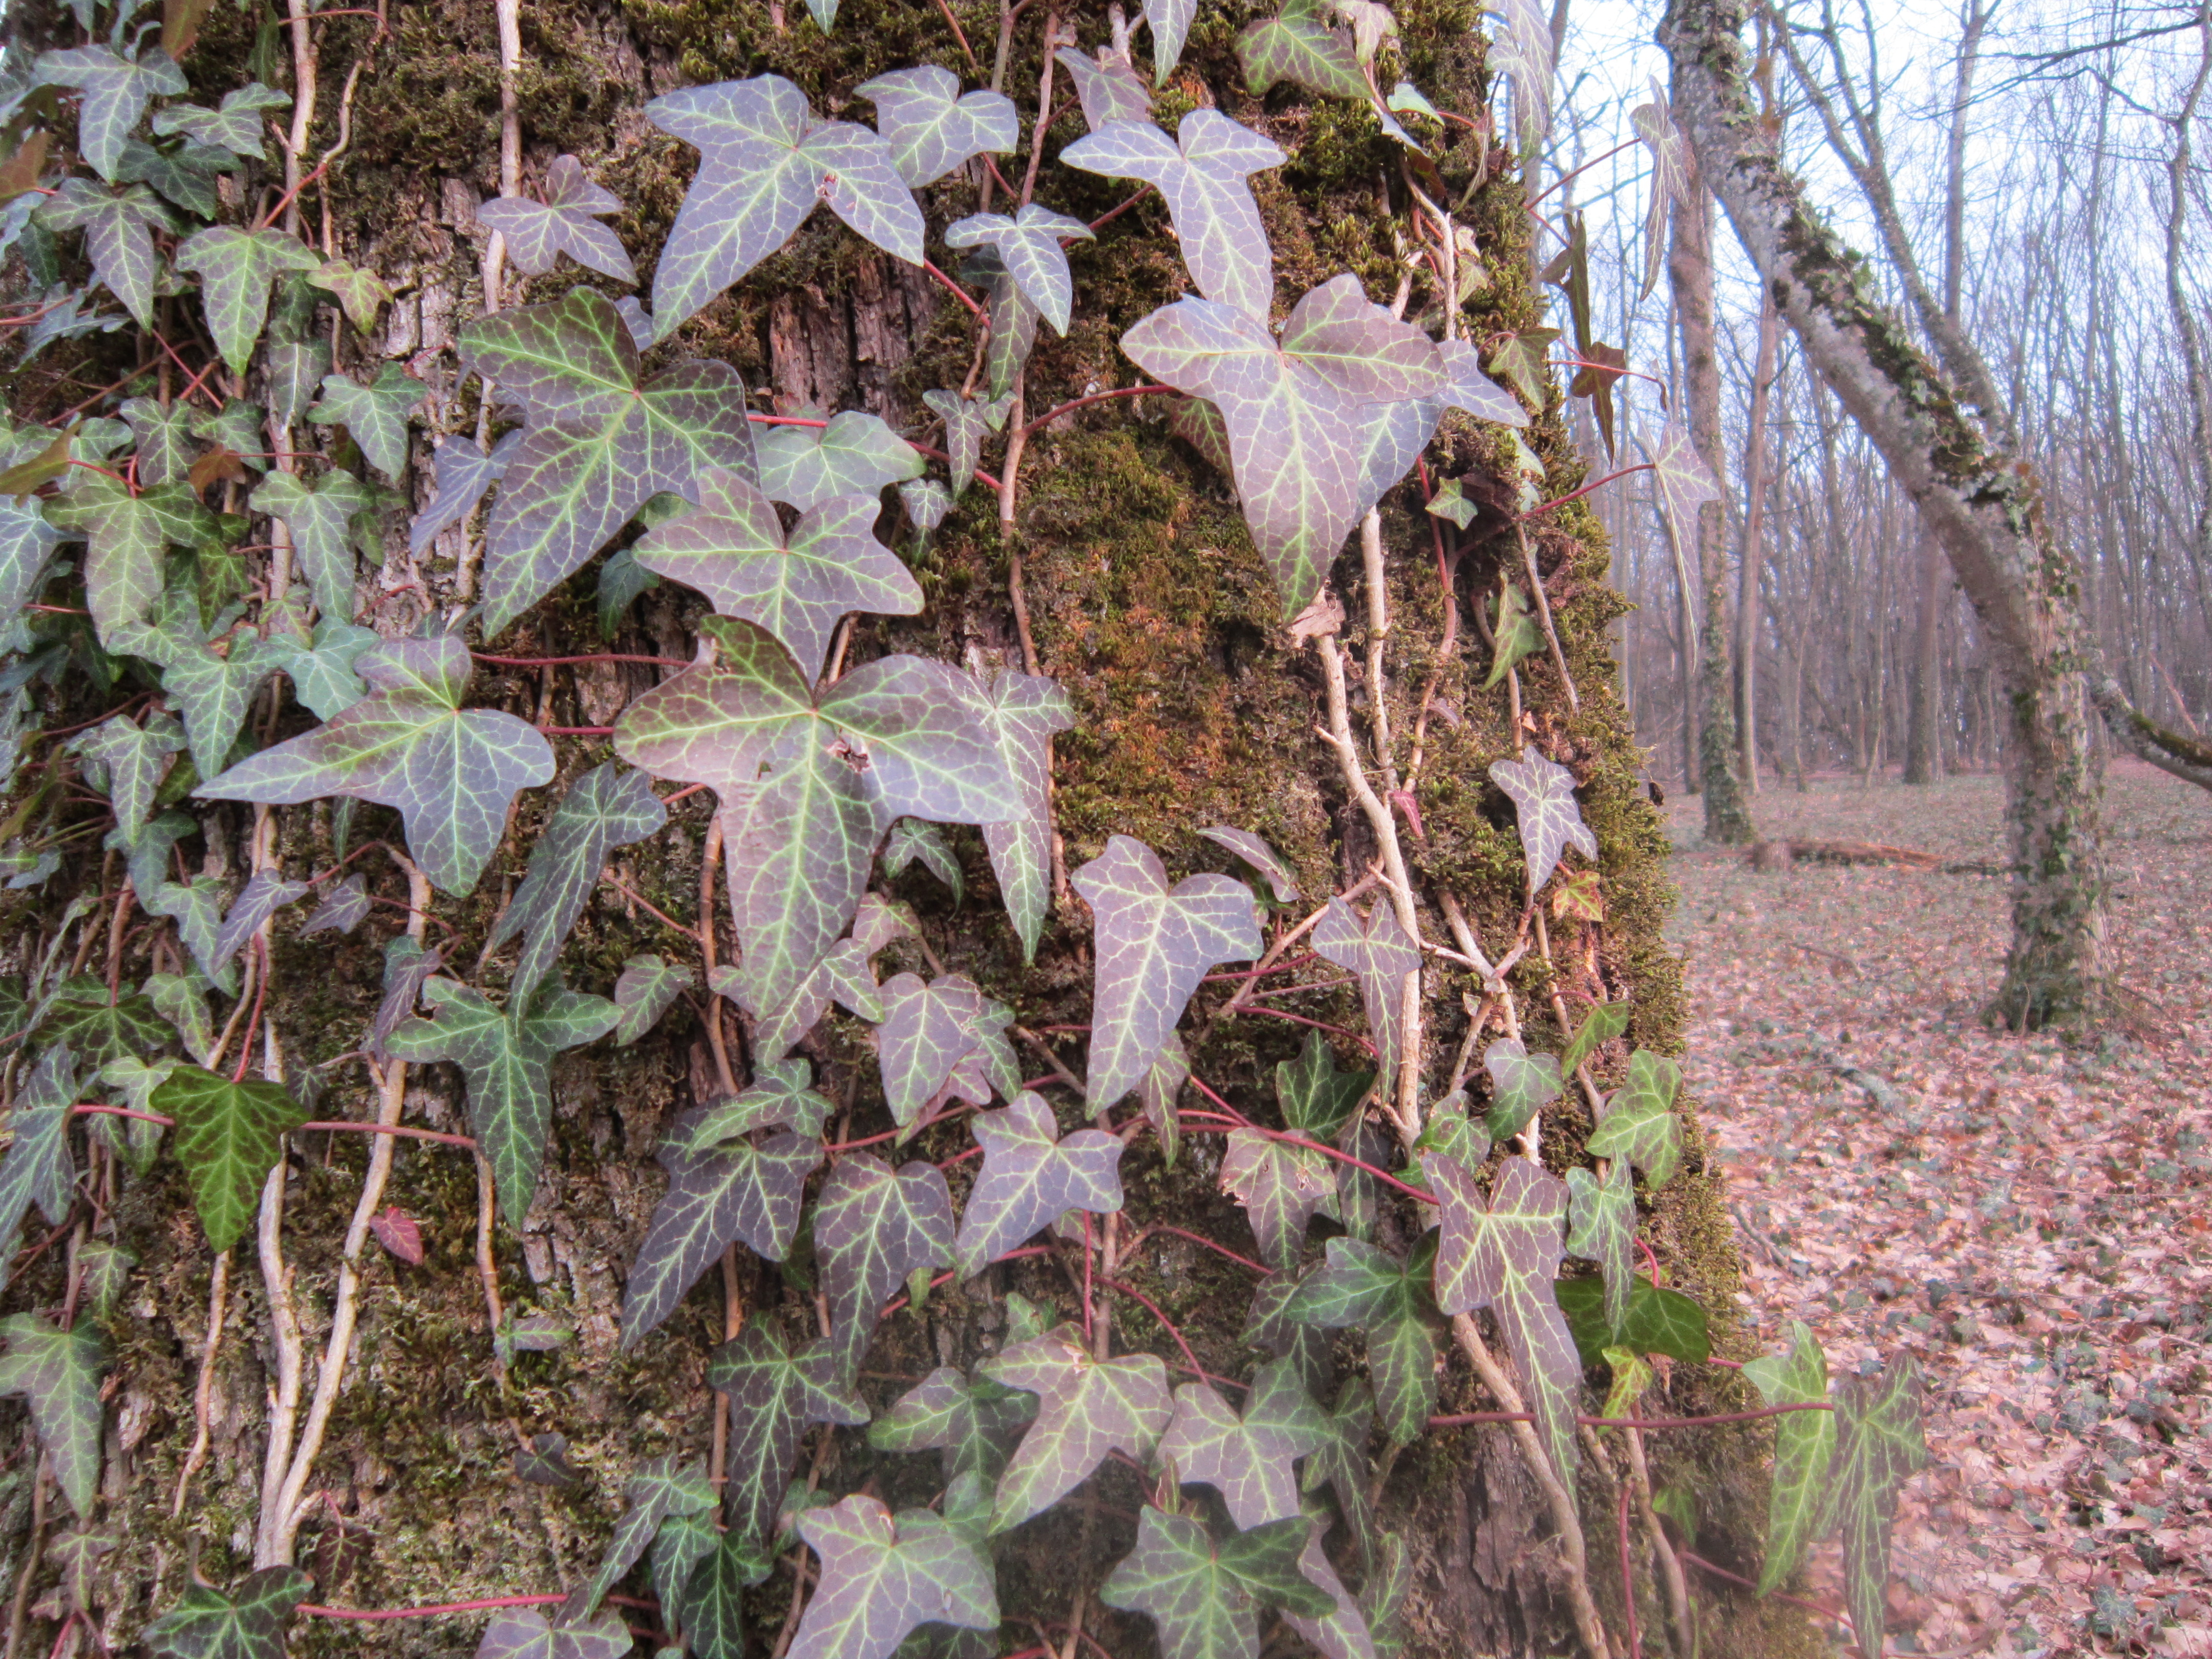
(1922, 743)
(1749, 608)
(2186, 324)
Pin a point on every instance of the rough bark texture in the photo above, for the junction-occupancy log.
(1192, 709)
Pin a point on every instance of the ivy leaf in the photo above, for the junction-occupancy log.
(296, 368)
(1297, 45)
(1551, 821)
(1108, 86)
(1153, 946)
(229, 1136)
(451, 772)
(1028, 245)
(1383, 1597)
(1377, 952)
(1686, 482)
(1504, 1256)
(544, 1462)
(1450, 1131)
(775, 1394)
(1523, 49)
(465, 473)
(853, 454)
(1674, 175)
(268, 892)
(1804, 1447)
(1466, 387)
(100, 1029)
(104, 1270)
(361, 294)
(235, 427)
(927, 1029)
(660, 1487)
(57, 1373)
(911, 841)
(1201, 178)
(1087, 1408)
(1261, 857)
(781, 1093)
(1282, 1188)
(881, 1578)
(682, 1542)
(966, 421)
(765, 164)
(407, 969)
(1390, 1301)
(644, 991)
(1601, 1228)
(163, 439)
(1604, 1022)
(184, 173)
(37, 1169)
(972, 1426)
(1204, 1597)
(1031, 1175)
(123, 558)
(136, 757)
(236, 268)
(800, 841)
(931, 128)
(319, 515)
(712, 1604)
(1343, 1634)
(596, 445)
(1170, 22)
(1318, 1099)
(526, 1633)
(1158, 1094)
(211, 687)
(1340, 1461)
(1010, 319)
(1248, 1459)
(77, 1553)
(872, 1227)
(1879, 1447)
(567, 222)
(116, 90)
(343, 909)
(732, 548)
(1515, 632)
(1521, 1086)
(610, 806)
(844, 973)
(1658, 1320)
(507, 1059)
(1022, 712)
(375, 414)
(1639, 1124)
(744, 1189)
(235, 126)
(118, 227)
(247, 1624)
(322, 674)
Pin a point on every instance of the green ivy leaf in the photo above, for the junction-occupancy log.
(1639, 1124)
(229, 1136)
(881, 1578)
(1604, 1022)
(851, 454)
(527, 1633)
(100, 1027)
(682, 1542)
(136, 758)
(610, 806)
(1248, 1459)
(1514, 633)
(712, 1602)
(843, 975)
(1297, 45)
(1087, 1408)
(319, 515)
(116, 90)
(123, 558)
(236, 268)
(781, 1093)
(452, 773)
(1522, 1084)
(1550, 819)
(1376, 951)
(1658, 1320)
(1879, 1447)
(1317, 1099)
(1601, 1228)
(376, 414)
(57, 1373)
(1029, 246)
(235, 126)
(872, 1228)
(104, 1270)
(322, 674)
(1203, 1596)
(972, 1426)
(1390, 1301)
(1282, 1188)
(247, 1623)
(119, 226)
(77, 1554)
(37, 1169)
(184, 173)
(660, 1488)
(776, 1393)
(931, 127)
(645, 990)
(1804, 1448)
(1450, 1131)
(507, 1059)
(296, 368)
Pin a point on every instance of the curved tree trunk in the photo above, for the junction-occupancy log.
(1138, 588)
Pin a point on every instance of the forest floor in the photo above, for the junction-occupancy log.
(2032, 1220)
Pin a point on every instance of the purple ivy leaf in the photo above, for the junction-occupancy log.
(927, 1031)
(266, 894)
(776, 1393)
(1503, 1255)
(931, 127)
(872, 1227)
(1358, 349)
(505, 1057)
(1521, 1086)
(1551, 822)
(881, 1578)
(1340, 1461)
(765, 163)
(1466, 387)
(1247, 1459)
(1523, 49)
(1153, 945)
(1028, 245)
(644, 991)
(596, 445)
(1204, 1597)
(1199, 424)
(319, 515)
(844, 975)
(1261, 857)
(1376, 951)
(1686, 482)
(57, 1373)
(1201, 175)
(1031, 1175)
(782, 1093)
(1674, 175)
(744, 1189)
(732, 547)
(1024, 710)
(1009, 317)
(1281, 1187)
(927, 502)
(345, 907)
(1342, 1633)
(1601, 1228)
(660, 1487)
(1159, 1092)
(1108, 86)
(465, 473)
(1389, 1301)
(247, 1623)
(1299, 45)
(966, 420)
(38, 1168)
(913, 841)
(77, 1554)
(972, 1426)
(1639, 1126)
(1170, 22)
(610, 806)
(407, 967)
(544, 1462)
(854, 454)
(452, 773)
(1087, 1408)
(567, 222)
(527, 1633)
(800, 842)
(236, 268)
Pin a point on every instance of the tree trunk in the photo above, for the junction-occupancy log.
(1748, 608)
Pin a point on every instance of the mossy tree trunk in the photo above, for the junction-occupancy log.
(1193, 707)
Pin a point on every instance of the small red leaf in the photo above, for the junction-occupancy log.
(398, 1232)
